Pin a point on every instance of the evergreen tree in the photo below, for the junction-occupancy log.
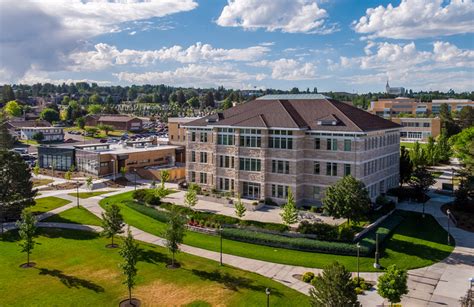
(174, 233)
(129, 252)
(16, 187)
(210, 100)
(443, 147)
(6, 140)
(190, 198)
(180, 99)
(431, 152)
(289, 213)
(393, 284)
(466, 117)
(112, 222)
(164, 177)
(406, 166)
(26, 230)
(348, 198)
(333, 288)
(7, 93)
(239, 208)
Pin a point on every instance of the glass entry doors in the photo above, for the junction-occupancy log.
(251, 190)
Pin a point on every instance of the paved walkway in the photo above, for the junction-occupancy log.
(441, 284)
(269, 214)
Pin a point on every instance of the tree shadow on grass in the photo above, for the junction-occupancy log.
(419, 250)
(232, 282)
(73, 234)
(71, 281)
(152, 256)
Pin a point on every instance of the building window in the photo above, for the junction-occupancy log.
(203, 137)
(203, 157)
(250, 141)
(279, 191)
(248, 164)
(317, 143)
(316, 168)
(203, 178)
(225, 184)
(225, 136)
(226, 161)
(426, 125)
(280, 167)
(347, 145)
(193, 156)
(331, 144)
(331, 169)
(193, 136)
(192, 177)
(347, 169)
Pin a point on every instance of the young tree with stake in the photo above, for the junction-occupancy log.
(164, 177)
(239, 208)
(27, 229)
(129, 253)
(190, 198)
(112, 222)
(174, 233)
(393, 284)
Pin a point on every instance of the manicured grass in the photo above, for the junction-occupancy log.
(89, 194)
(46, 204)
(410, 145)
(75, 216)
(40, 182)
(74, 268)
(281, 255)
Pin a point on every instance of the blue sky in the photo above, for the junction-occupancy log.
(334, 45)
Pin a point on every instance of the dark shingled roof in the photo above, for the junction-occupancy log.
(297, 113)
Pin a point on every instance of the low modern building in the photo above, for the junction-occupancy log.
(108, 159)
(117, 121)
(50, 134)
(60, 158)
(15, 126)
(453, 104)
(264, 147)
(418, 129)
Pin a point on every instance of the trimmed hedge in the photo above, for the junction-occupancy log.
(384, 230)
(148, 211)
(301, 244)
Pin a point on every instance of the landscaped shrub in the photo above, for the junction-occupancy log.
(362, 283)
(302, 244)
(307, 277)
(384, 230)
(139, 195)
(346, 233)
(152, 199)
(195, 187)
(148, 211)
(323, 231)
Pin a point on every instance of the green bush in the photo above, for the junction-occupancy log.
(151, 212)
(324, 232)
(195, 187)
(302, 244)
(152, 199)
(346, 233)
(139, 195)
(308, 277)
(362, 284)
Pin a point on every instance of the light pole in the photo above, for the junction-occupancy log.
(113, 168)
(423, 215)
(77, 192)
(267, 292)
(358, 252)
(220, 234)
(135, 170)
(448, 212)
(376, 263)
(471, 282)
(452, 179)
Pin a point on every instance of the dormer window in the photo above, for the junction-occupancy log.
(327, 122)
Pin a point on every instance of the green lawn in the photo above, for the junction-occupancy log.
(89, 194)
(74, 268)
(46, 204)
(285, 256)
(75, 215)
(410, 145)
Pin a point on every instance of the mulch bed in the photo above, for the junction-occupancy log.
(28, 265)
(134, 303)
(465, 219)
(61, 186)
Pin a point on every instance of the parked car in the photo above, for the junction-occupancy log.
(103, 140)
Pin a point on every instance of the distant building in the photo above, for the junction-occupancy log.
(177, 131)
(453, 104)
(399, 91)
(418, 129)
(50, 134)
(119, 122)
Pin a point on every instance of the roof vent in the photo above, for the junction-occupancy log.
(214, 118)
(330, 120)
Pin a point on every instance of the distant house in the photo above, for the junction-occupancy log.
(50, 134)
(15, 126)
(119, 122)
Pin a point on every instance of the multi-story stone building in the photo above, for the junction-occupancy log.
(418, 128)
(262, 148)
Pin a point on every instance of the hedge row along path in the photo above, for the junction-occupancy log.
(440, 284)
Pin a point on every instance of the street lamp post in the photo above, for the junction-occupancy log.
(220, 234)
(135, 170)
(267, 292)
(376, 263)
(448, 212)
(113, 168)
(423, 215)
(77, 192)
(358, 252)
(452, 180)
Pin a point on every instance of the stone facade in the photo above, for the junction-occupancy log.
(372, 157)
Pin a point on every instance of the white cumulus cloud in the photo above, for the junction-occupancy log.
(292, 16)
(414, 19)
(288, 69)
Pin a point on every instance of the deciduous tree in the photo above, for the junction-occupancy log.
(112, 222)
(13, 108)
(420, 181)
(174, 233)
(26, 230)
(129, 252)
(393, 284)
(406, 166)
(164, 177)
(348, 198)
(49, 115)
